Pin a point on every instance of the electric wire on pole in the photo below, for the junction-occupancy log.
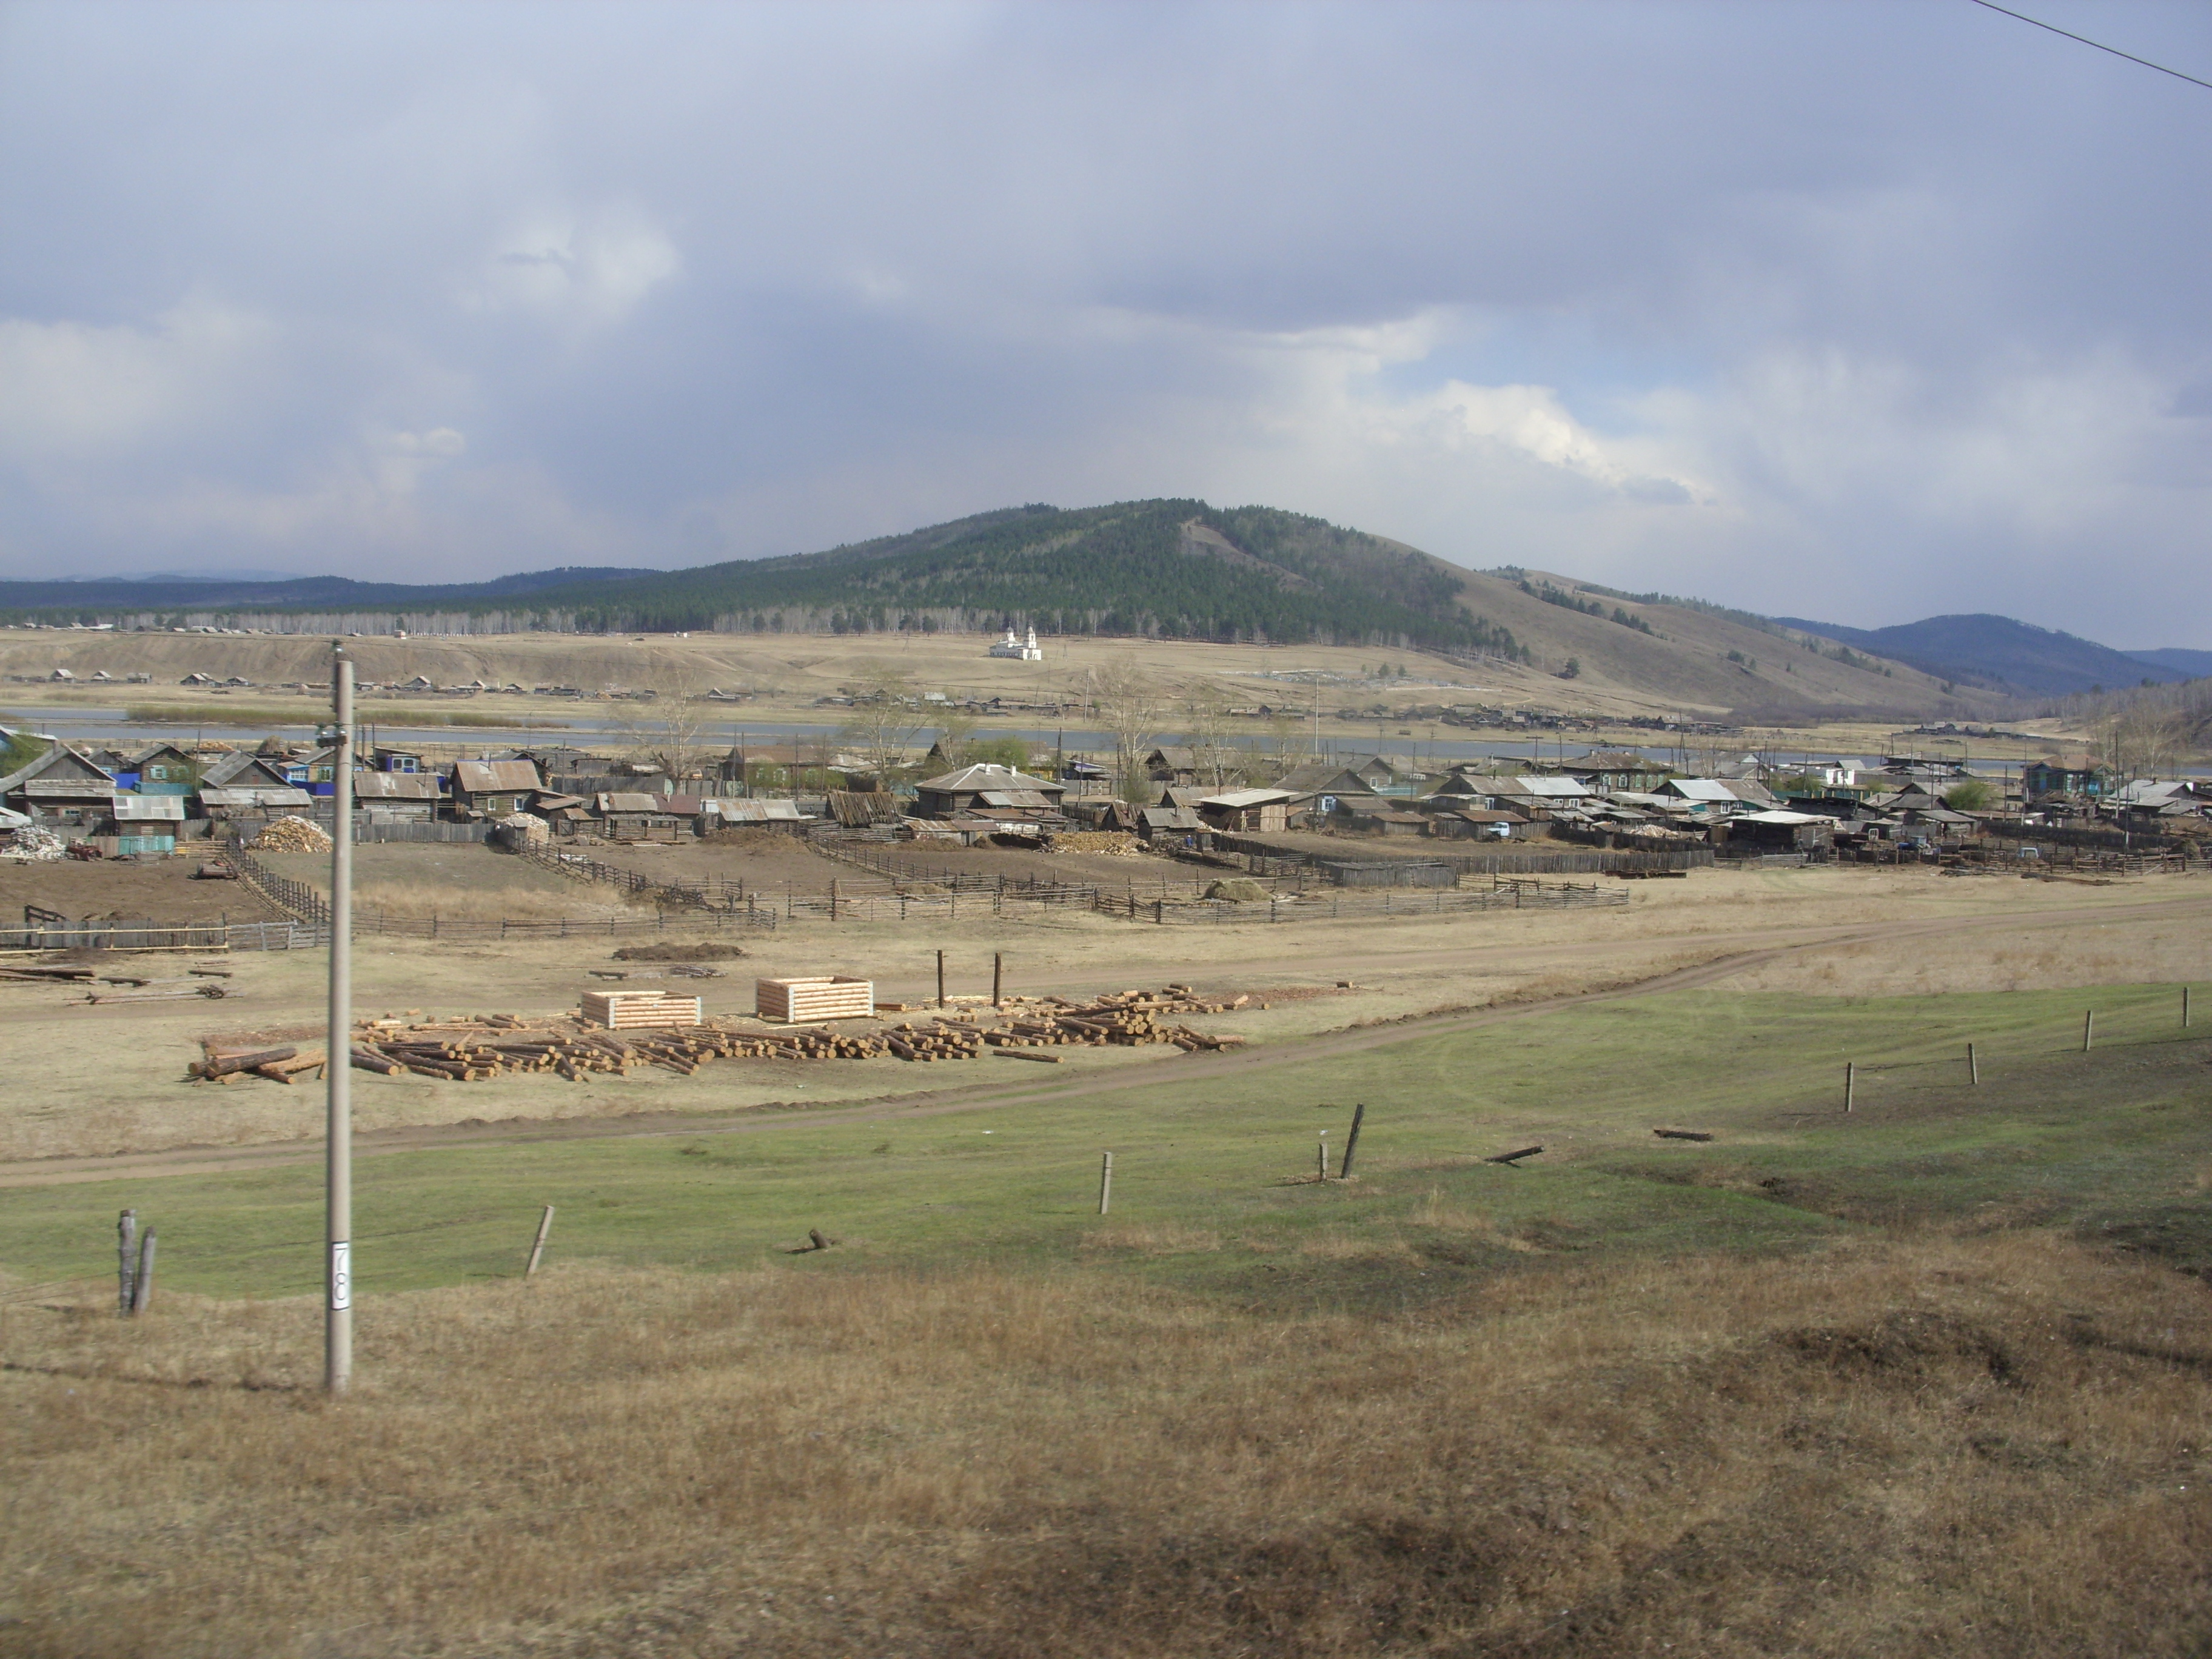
(337, 1330)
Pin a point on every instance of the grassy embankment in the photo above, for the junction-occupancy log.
(1811, 1388)
(1201, 1194)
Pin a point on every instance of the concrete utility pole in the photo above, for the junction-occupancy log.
(338, 1331)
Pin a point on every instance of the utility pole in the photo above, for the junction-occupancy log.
(337, 1330)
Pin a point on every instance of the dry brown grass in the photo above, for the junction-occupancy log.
(1974, 1447)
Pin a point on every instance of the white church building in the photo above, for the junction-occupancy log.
(1021, 650)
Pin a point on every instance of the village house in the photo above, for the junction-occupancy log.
(242, 784)
(1605, 770)
(2065, 775)
(397, 797)
(1779, 830)
(1538, 799)
(996, 792)
(1460, 823)
(1171, 763)
(60, 784)
(493, 789)
(147, 823)
(1159, 824)
(1247, 811)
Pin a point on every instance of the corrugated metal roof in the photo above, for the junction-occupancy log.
(256, 796)
(1549, 789)
(394, 786)
(146, 809)
(988, 777)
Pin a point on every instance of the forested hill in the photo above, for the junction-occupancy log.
(1170, 568)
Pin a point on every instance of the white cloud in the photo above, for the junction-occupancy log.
(72, 392)
(592, 270)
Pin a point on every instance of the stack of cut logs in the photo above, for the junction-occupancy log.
(484, 1046)
(233, 1062)
(1128, 1018)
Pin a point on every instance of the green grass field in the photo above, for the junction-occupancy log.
(1212, 1187)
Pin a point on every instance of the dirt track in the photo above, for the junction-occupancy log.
(1733, 954)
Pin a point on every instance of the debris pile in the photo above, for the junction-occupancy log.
(35, 844)
(1096, 844)
(291, 835)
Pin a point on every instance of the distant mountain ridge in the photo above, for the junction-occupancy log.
(1170, 568)
(1175, 568)
(250, 591)
(2194, 664)
(2002, 654)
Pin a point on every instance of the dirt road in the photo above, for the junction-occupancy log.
(1732, 954)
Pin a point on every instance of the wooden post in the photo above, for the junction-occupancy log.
(998, 973)
(1351, 1142)
(1321, 1158)
(2088, 1029)
(833, 899)
(2184, 1007)
(1850, 1084)
(142, 1290)
(940, 979)
(1973, 1067)
(126, 1261)
(1105, 1182)
(537, 1244)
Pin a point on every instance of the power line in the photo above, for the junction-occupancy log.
(2023, 17)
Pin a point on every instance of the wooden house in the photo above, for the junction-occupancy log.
(60, 784)
(493, 789)
(2065, 775)
(1470, 822)
(996, 792)
(160, 769)
(403, 797)
(1607, 769)
(1247, 811)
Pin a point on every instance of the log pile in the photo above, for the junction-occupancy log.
(291, 835)
(481, 1047)
(234, 1062)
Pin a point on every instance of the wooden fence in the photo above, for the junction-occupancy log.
(1337, 904)
(1263, 858)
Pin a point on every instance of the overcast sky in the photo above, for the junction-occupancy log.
(1861, 312)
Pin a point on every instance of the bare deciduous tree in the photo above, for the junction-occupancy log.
(1205, 712)
(885, 718)
(1129, 705)
(670, 733)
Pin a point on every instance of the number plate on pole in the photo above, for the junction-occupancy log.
(341, 1276)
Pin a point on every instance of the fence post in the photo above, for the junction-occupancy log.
(2088, 1029)
(1850, 1084)
(1351, 1142)
(940, 979)
(1105, 1182)
(537, 1244)
(126, 1261)
(1974, 1066)
(2184, 1007)
(141, 1292)
(998, 969)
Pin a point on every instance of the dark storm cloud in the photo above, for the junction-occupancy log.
(1860, 310)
